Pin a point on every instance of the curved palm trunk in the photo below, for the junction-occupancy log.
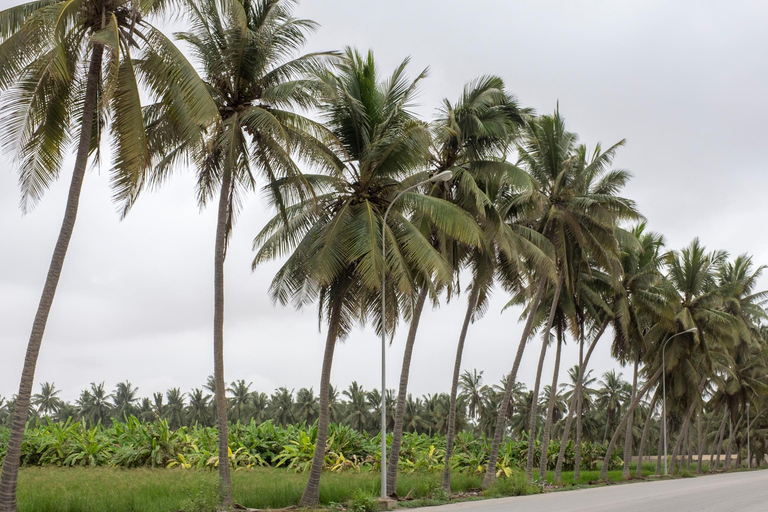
(220, 390)
(703, 441)
(537, 383)
(550, 410)
(574, 408)
(449, 437)
(719, 440)
(644, 437)
(504, 407)
(579, 410)
(623, 422)
(397, 433)
(684, 428)
(628, 432)
(700, 441)
(728, 452)
(311, 495)
(10, 473)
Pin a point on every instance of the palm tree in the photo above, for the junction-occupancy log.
(65, 71)
(576, 208)
(281, 406)
(337, 258)
(471, 386)
(357, 409)
(246, 51)
(199, 408)
(306, 406)
(174, 412)
(240, 396)
(470, 139)
(124, 399)
(95, 404)
(46, 401)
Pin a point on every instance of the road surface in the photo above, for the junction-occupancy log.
(730, 492)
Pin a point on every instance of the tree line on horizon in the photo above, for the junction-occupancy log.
(488, 187)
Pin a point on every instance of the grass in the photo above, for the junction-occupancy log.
(99, 489)
(50, 489)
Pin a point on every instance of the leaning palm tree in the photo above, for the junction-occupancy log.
(66, 71)
(246, 49)
(576, 207)
(337, 256)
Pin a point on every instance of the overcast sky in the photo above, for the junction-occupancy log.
(683, 82)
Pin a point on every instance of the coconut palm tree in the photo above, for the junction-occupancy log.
(247, 52)
(338, 258)
(65, 73)
(94, 404)
(281, 406)
(306, 406)
(124, 399)
(576, 207)
(239, 399)
(199, 408)
(174, 411)
(46, 401)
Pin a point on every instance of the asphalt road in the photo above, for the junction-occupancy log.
(737, 492)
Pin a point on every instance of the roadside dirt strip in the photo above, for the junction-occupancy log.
(732, 492)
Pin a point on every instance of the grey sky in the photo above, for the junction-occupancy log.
(683, 82)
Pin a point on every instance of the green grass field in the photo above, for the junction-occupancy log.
(50, 489)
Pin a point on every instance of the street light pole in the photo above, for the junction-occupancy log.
(664, 390)
(443, 176)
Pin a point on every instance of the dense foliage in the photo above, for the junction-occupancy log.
(134, 443)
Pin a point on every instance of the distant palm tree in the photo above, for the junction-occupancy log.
(46, 401)
(124, 399)
(307, 405)
(281, 406)
(94, 404)
(239, 398)
(199, 408)
(174, 411)
(358, 415)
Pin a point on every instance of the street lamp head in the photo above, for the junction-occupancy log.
(440, 177)
(692, 329)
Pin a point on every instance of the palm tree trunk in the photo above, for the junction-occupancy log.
(311, 495)
(622, 423)
(579, 409)
(449, 437)
(550, 409)
(701, 442)
(644, 437)
(729, 450)
(539, 369)
(402, 395)
(501, 419)
(10, 474)
(631, 423)
(220, 392)
(574, 408)
(719, 439)
(684, 427)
